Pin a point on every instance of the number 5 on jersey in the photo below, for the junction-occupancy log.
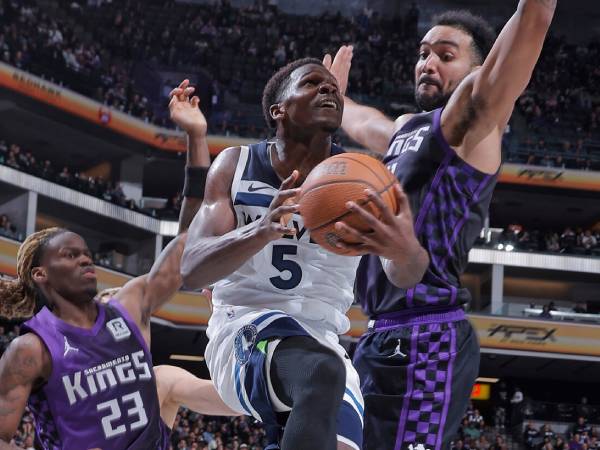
(282, 264)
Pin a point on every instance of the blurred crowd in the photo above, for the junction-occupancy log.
(8, 229)
(572, 240)
(195, 431)
(519, 422)
(116, 52)
(12, 155)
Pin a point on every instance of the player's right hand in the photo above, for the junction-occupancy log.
(185, 112)
(340, 66)
(271, 226)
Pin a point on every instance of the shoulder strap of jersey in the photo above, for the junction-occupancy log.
(239, 170)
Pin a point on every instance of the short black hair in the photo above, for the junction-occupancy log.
(477, 27)
(277, 85)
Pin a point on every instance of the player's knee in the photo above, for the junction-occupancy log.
(328, 377)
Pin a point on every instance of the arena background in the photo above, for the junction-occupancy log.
(86, 143)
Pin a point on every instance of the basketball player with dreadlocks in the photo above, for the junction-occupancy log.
(83, 367)
(420, 357)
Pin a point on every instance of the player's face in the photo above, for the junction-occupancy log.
(313, 100)
(446, 57)
(67, 268)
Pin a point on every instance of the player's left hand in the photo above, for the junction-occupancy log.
(185, 112)
(392, 237)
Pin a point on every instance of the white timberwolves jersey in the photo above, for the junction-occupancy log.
(292, 274)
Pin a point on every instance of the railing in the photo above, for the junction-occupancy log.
(563, 315)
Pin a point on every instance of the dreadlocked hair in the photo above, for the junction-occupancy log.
(18, 297)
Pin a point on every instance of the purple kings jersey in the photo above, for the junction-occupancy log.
(449, 200)
(102, 391)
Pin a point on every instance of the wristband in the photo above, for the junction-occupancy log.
(195, 181)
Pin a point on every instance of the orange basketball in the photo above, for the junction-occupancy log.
(335, 181)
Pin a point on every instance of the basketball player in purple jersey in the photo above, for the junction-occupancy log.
(85, 368)
(420, 357)
(177, 387)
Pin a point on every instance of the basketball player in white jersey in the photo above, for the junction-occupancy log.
(280, 300)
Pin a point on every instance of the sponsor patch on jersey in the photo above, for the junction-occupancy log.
(118, 328)
(244, 343)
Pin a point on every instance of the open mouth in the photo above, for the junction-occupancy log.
(330, 104)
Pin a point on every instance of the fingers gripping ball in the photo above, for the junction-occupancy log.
(335, 181)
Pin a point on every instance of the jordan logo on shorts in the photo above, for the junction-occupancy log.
(417, 447)
(398, 352)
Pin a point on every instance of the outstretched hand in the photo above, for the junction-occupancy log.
(185, 111)
(340, 66)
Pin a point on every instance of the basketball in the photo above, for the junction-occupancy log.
(332, 183)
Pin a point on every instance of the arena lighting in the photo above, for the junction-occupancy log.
(500, 246)
(509, 247)
(186, 358)
(487, 380)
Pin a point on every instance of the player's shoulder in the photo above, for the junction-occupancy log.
(227, 157)
(27, 343)
(402, 120)
(29, 354)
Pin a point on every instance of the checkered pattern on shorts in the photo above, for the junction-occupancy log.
(426, 403)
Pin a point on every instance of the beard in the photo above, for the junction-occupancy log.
(429, 102)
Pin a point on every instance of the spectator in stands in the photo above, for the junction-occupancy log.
(516, 403)
(476, 420)
(588, 241)
(560, 444)
(530, 436)
(581, 427)
(458, 445)
(64, 177)
(575, 442)
(580, 308)
(469, 430)
(3, 151)
(547, 433)
(545, 314)
(7, 229)
(498, 444)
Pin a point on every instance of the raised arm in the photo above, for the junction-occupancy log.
(177, 387)
(366, 125)
(25, 362)
(478, 111)
(145, 294)
(186, 113)
(215, 247)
